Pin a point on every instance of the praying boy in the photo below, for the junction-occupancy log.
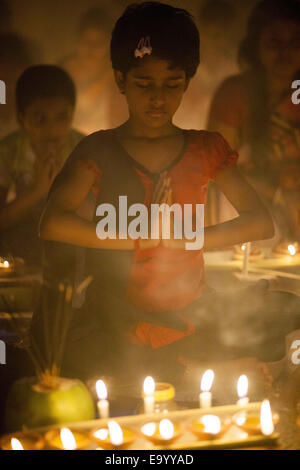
(31, 157)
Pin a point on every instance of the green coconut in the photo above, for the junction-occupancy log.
(31, 404)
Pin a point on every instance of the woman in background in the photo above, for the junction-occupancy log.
(255, 113)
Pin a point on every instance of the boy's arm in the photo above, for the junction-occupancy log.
(60, 221)
(13, 213)
(253, 222)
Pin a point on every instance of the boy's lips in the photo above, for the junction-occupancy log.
(156, 113)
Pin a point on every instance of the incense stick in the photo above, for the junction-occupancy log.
(67, 314)
(57, 324)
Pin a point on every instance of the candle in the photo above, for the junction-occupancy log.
(65, 439)
(163, 432)
(242, 389)
(102, 404)
(209, 427)
(26, 440)
(266, 419)
(292, 250)
(149, 389)
(205, 396)
(113, 436)
(68, 439)
(4, 264)
(246, 248)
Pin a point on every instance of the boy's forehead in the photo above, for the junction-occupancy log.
(153, 67)
(49, 105)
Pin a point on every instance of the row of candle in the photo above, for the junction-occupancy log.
(163, 432)
(205, 396)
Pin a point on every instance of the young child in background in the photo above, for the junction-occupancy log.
(32, 156)
(146, 307)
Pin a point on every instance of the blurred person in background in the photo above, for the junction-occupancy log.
(15, 56)
(5, 16)
(31, 156)
(255, 113)
(100, 104)
(220, 32)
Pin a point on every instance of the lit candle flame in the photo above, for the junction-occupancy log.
(242, 386)
(149, 386)
(16, 444)
(148, 429)
(101, 434)
(6, 264)
(212, 424)
(101, 390)
(266, 420)
(67, 439)
(166, 429)
(243, 247)
(207, 380)
(292, 250)
(116, 433)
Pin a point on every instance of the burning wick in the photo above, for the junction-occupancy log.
(266, 419)
(166, 429)
(68, 439)
(102, 405)
(212, 424)
(4, 264)
(115, 433)
(242, 389)
(16, 444)
(292, 250)
(205, 396)
(149, 389)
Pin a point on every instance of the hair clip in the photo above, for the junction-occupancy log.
(143, 48)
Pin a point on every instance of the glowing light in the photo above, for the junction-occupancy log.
(67, 439)
(116, 433)
(166, 429)
(212, 424)
(242, 386)
(101, 434)
(207, 380)
(16, 444)
(243, 247)
(292, 250)
(266, 420)
(148, 429)
(149, 386)
(101, 390)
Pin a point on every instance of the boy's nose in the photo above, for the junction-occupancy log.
(157, 95)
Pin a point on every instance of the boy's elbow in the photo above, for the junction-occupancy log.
(46, 227)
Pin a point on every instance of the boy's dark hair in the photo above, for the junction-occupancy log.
(44, 81)
(173, 36)
(264, 13)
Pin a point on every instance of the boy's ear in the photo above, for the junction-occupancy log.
(120, 80)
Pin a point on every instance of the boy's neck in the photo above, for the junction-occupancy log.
(131, 129)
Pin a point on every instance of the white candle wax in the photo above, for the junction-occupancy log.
(205, 399)
(103, 409)
(246, 258)
(149, 404)
(242, 401)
